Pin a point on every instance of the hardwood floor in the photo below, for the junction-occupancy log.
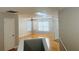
(54, 44)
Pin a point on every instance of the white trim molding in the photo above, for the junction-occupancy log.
(63, 44)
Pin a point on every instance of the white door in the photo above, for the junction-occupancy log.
(9, 33)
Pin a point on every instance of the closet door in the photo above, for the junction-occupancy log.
(9, 33)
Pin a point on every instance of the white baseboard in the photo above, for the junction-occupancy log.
(63, 45)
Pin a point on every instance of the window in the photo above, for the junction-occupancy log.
(43, 26)
(28, 25)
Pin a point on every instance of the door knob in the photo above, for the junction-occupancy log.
(13, 35)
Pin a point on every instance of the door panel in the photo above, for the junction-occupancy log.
(9, 33)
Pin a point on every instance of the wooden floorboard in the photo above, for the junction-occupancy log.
(54, 44)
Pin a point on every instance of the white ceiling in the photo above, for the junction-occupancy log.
(29, 9)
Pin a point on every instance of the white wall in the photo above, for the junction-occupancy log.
(56, 27)
(55, 23)
(1, 33)
(23, 25)
(69, 27)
